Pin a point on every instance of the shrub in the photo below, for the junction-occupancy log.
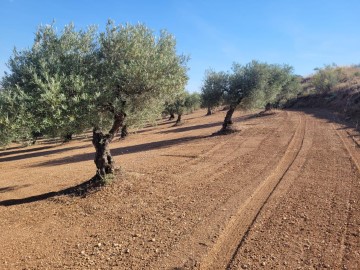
(327, 78)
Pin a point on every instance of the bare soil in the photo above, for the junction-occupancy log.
(283, 192)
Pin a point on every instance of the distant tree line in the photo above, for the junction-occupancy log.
(184, 102)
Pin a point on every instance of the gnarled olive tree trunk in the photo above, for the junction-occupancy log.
(124, 132)
(104, 162)
(172, 116)
(178, 120)
(268, 107)
(228, 118)
(68, 137)
(209, 112)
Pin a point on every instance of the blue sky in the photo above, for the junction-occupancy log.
(304, 34)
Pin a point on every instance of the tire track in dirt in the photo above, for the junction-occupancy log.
(232, 172)
(196, 236)
(353, 151)
(281, 187)
(314, 220)
(202, 182)
(345, 232)
(354, 154)
(228, 242)
(205, 172)
(247, 141)
(212, 164)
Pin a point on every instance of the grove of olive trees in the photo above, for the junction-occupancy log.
(74, 80)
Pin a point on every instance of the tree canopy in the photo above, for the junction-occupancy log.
(72, 80)
(249, 86)
(54, 76)
(212, 91)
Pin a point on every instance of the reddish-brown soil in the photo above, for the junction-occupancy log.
(281, 193)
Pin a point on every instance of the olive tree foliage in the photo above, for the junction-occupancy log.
(78, 79)
(192, 102)
(139, 70)
(289, 91)
(13, 127)
(253, 86)
(213, 88)
(277, 82)
(53, 77)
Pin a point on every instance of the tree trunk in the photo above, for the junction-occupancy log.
(124, 131)
(172, 116)
(68, 137)
(209, 112)
(103, 159)
(35, 136)
(228, 120)
(178, 120)
(268, 107)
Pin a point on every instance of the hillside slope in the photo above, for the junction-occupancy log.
(334, 88)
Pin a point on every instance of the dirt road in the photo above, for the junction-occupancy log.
(282, 193)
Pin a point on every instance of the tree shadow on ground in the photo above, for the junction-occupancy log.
(190, 128)
(121, 151)
(20, 150)
(140, 131)
(80, 190)
(153, 127)
(167, 122)
(247, 117)
(11, 188)
(6, 189)
(194, 117)
(34, 153)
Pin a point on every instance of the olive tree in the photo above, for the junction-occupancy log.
(213, 88)
(78, 79)
(176, 106)
(169, 109)
(192, 102)
(183, 102)
(137, 72)
(254, 85)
